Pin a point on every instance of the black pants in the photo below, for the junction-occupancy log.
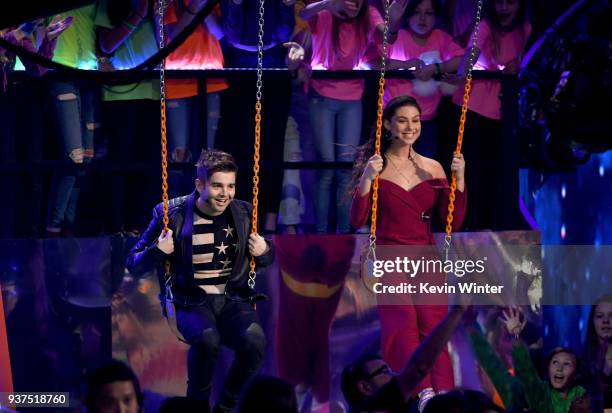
(221, 321)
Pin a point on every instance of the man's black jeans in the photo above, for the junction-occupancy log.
(221, 321)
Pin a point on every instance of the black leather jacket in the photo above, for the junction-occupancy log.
(145, 256)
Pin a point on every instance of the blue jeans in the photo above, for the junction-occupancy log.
(180, 118)
(336, 126)
(183, 145)
(74, 104)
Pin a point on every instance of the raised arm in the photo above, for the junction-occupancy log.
(311, 10)
(501, 378)
(396, 14)
(285, 20)
(423, 359)
(110, 38)
(536, 390)
(213, 25)
(175, 25)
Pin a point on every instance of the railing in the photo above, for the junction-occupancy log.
(127, 76)
(270, 75)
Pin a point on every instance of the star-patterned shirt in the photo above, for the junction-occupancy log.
(215, 246)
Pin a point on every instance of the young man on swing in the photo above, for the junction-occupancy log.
(209, 247)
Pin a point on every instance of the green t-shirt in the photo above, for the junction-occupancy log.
(76, 46)
(138, 47)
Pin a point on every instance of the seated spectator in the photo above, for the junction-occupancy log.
(369, 385)
(38, 37)
(364, 377)
(268, 394)
(113, 388)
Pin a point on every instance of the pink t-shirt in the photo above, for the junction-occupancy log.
(347, 56)
(439, 47)
(484, 97)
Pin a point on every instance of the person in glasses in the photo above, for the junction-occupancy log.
(364, 377)
(369, 384)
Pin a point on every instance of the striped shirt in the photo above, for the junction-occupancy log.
(215, 246)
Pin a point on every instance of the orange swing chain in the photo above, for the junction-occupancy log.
(379, 125)
(162, 101)
(257, 145)
(464, 108)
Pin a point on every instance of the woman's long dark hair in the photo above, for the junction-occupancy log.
(496, 29)
(365, 151)
(491, 15)
(592, 345)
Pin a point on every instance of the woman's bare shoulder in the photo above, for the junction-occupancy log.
(432, 167)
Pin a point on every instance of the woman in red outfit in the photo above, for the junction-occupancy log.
(411, 187)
